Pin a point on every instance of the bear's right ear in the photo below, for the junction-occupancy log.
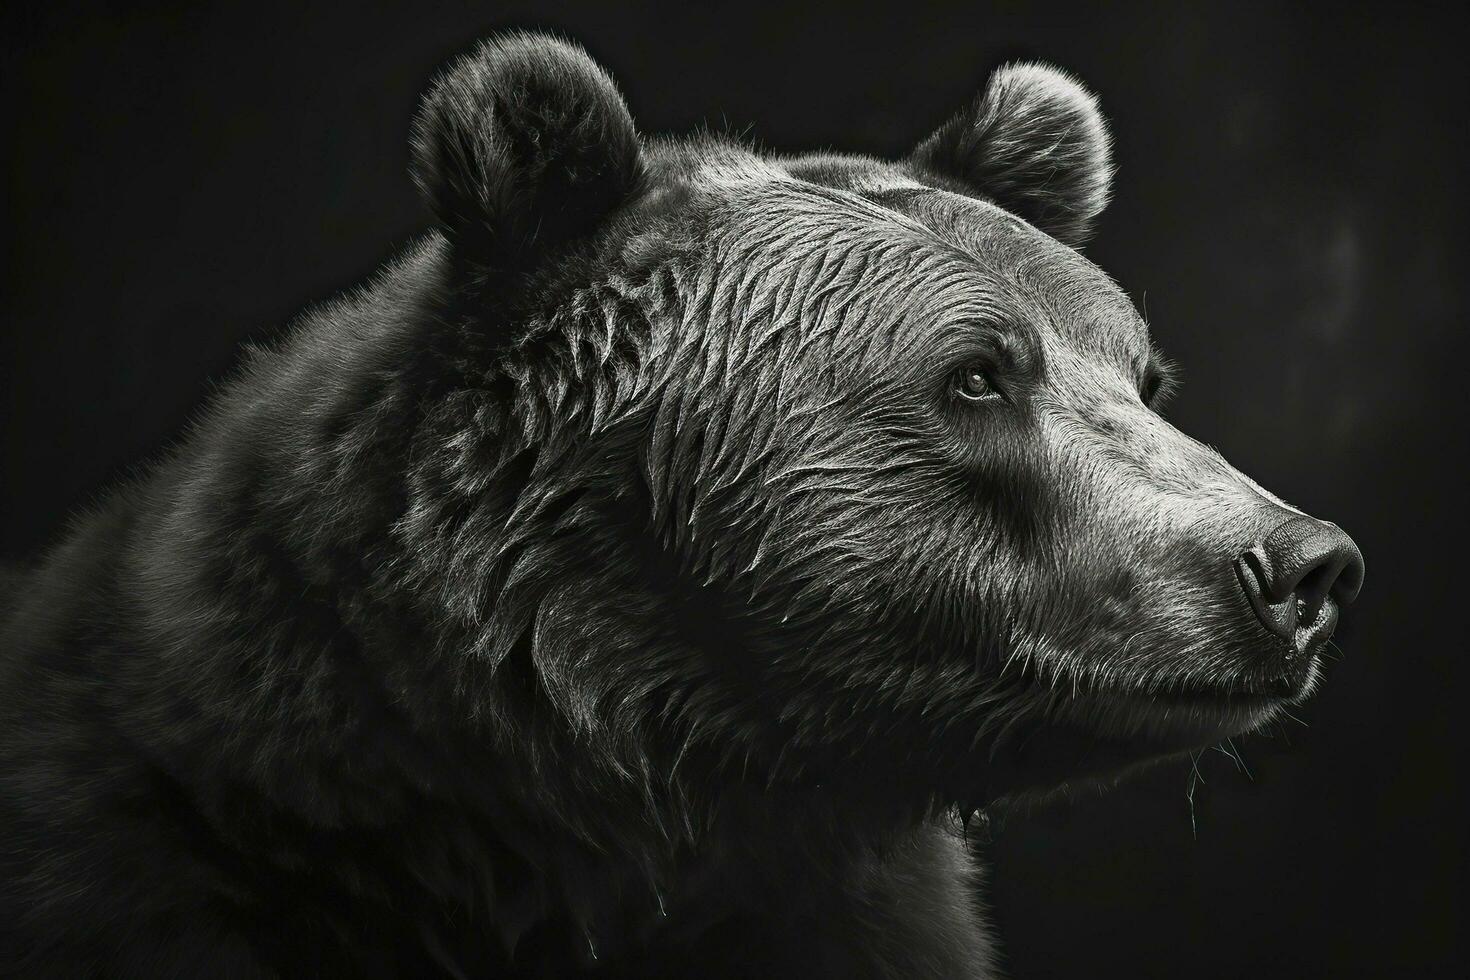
(1035, 143)
(521, 147)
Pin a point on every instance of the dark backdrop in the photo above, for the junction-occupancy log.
(1289, 210)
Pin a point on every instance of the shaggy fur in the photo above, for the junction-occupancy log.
(619, 583)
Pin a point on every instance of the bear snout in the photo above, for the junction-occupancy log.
(1298, 577)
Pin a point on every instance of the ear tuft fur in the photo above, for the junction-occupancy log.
(522, 146)
(1036, 144)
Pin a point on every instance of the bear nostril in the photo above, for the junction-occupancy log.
(1293, 572)
(1313, 589)
(1280, 617)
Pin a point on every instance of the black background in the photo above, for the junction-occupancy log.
(1289, 209)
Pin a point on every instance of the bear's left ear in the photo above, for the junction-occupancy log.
(521, 147)
(1035, 143)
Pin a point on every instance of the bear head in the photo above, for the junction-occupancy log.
(834, 470)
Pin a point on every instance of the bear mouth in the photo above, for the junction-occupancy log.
(1293, 626)
(1105, 733)
(1185, 719)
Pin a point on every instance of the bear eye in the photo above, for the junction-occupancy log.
(973, 383)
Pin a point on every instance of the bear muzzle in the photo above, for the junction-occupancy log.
(1297, 579)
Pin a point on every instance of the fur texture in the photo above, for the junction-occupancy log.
(619, 581)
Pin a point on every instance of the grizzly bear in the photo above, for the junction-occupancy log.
(644, 573)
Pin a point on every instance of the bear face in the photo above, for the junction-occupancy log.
(894, 438)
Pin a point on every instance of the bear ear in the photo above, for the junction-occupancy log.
(1035, 143)
(522, 146)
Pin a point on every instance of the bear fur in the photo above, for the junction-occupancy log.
(640, 576)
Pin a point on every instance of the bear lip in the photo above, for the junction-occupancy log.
(1152, 728)
(1315, 634)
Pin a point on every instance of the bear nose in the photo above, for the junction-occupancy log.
(1290, 575)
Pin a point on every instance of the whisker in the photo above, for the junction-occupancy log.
(1195, 778)
(1228, 748)
(1293, 717)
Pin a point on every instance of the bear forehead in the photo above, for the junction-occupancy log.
(1057, 291)
(998, 262)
